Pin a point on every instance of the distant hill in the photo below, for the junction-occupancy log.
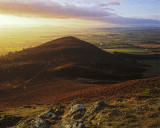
(66, 57)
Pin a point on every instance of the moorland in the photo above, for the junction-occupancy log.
(100, 78)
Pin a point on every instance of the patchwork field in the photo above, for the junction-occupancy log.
(125, 40)
(129, 50)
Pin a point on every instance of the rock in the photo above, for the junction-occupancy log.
(77, 107)
(77, 111)
(159, 109)
(115, 113)
(70, 123)
(39, 123)
(97, 106)
(48, 114)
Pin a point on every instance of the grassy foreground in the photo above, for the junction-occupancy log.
(138, 110)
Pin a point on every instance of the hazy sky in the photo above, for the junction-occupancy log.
(80, 13)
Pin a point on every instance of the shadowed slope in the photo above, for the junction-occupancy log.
(66, 57)
(51, 72)
(62, 91)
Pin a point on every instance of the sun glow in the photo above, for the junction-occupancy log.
(18, 21)
(18, 32)
(12, 21)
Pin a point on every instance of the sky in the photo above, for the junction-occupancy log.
(80, 13)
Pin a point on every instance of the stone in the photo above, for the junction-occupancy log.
(70, 123)
(77, 111)
(48, 114)
(77, 107)
(97, 106)
(39, 123)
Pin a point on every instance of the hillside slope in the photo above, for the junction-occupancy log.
(130, 104)
(66, 57)
(64, 90)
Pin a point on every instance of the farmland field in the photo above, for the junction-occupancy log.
(127, 41)
(123, 40)
(129, 50)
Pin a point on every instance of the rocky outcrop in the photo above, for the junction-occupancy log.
(74, 116)
(37, 120)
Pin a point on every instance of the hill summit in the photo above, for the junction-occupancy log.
(67, 57)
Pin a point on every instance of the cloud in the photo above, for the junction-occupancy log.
(113, 2)
(132, 22)
(50, 9)
(155, 17)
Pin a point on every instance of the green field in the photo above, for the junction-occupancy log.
(129, 50)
